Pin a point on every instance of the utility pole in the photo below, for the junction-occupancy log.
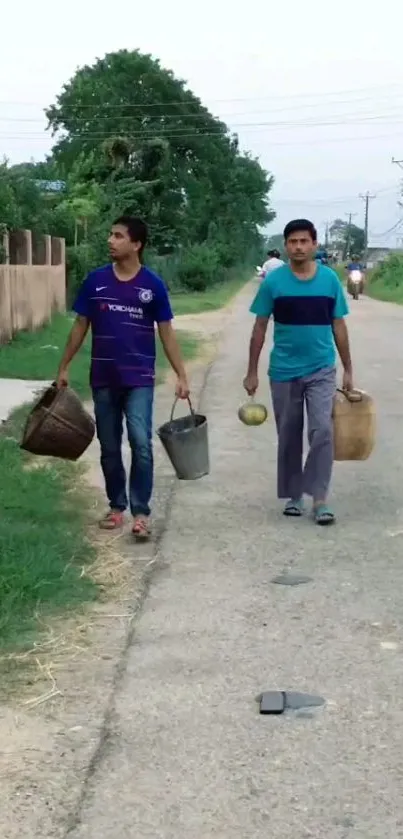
(366, 198)
(348, 235)
(327, 235)
(399, 163)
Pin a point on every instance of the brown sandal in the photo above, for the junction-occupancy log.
(113, 520)
(141, 529)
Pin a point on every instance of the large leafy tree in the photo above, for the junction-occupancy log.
(130, 137)
(128, 124)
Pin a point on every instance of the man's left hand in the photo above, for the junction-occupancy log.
(182, 388)
(348, 381)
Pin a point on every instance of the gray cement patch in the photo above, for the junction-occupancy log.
(291, 580)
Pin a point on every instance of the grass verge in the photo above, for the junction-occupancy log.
(36, 355)
(214, 298)
(385, 282)
(386, 285)
(43, 542)
(387, 295)
(44, 545)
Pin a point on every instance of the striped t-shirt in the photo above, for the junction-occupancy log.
(303, 313)
(123, 317)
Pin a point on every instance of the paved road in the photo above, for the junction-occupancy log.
(186, 754)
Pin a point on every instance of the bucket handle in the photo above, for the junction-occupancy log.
(176, 400)
(351, 395)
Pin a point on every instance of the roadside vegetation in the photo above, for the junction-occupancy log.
(44, 548)
(386, 281)
(214, 298)
(205, 200)
(173, 163)
(44, 544)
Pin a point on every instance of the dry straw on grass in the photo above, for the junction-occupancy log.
(62, 640)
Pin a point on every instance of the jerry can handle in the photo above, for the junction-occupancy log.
(351, 395)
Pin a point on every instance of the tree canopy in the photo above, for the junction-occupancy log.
(131, 137)
(348, 238)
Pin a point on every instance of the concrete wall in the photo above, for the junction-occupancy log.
(32, 282)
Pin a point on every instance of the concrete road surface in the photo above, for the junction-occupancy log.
(185, 754)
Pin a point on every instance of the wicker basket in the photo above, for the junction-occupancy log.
(58, 425)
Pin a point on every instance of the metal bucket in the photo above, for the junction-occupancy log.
(185, 441)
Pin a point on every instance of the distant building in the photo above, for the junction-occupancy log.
(51, 186)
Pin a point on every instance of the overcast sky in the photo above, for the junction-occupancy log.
(258, 63)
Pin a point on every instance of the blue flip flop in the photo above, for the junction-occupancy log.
(323, 515)
(294, 509)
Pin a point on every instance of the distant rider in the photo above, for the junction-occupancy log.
(355, 269)
(273, 261)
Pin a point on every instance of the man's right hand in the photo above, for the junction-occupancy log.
(62, 378)
(251, 383)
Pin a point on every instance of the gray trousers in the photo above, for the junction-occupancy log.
(289, 398)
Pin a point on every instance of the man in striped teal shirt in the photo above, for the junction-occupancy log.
(308, 305)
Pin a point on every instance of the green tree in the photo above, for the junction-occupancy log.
(21, 201)
(130, 126)
(349, 239)
(130, 137)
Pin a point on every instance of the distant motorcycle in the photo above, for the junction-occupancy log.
(355, 283)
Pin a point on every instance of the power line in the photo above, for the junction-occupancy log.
(338, 119)
(200, 135)
(327, 201)
(326, 96)
(364, 114)
(398, 224)
(162, 130)
(332, 201)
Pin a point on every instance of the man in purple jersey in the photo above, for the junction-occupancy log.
(122, 302)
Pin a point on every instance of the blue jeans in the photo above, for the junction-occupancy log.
(136, 405)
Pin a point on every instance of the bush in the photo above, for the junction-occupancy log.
(225, 255)
(79, 261)
(192, 269)
(390, 272)
(78, 264)
(198, 268)
(386, 281)
(165, 266)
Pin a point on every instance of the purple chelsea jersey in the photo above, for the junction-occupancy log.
(123, 317)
